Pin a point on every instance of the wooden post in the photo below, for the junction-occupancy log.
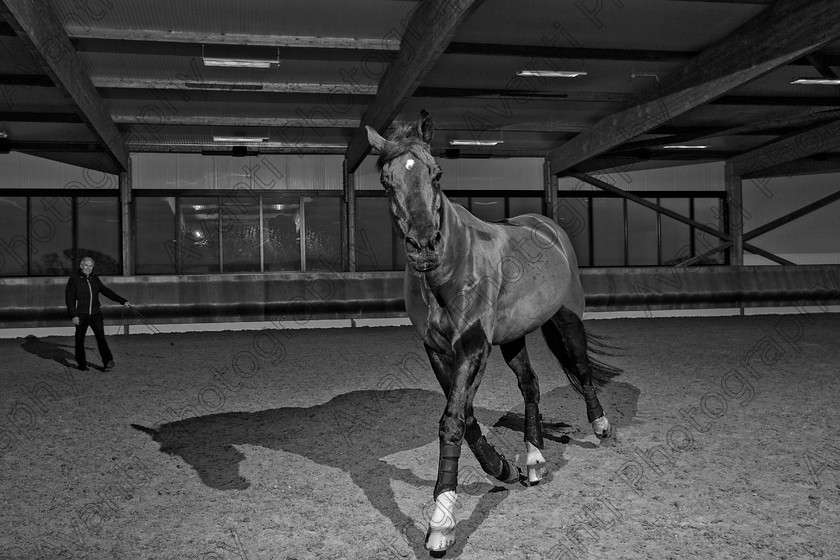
(735, 203)
(349, 244)
(550, 187)
(127, 233)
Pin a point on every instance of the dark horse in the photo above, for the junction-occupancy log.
(470, 285)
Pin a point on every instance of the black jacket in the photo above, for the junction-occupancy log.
(82, 294)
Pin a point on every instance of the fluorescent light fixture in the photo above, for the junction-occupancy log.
(240, 138)
(236, 62)
(685, 147)
(475, 142)
(551, 73)
(240, 56)
(817, 81)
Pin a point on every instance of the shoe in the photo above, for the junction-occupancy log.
(109, 365)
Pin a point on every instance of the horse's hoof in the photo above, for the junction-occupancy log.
(535, 463)
(535, 473)
(602, 427)
(438, 542)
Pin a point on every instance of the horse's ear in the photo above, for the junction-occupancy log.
(426, 127)
(375, 139)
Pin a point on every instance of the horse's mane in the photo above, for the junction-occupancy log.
(400, 142)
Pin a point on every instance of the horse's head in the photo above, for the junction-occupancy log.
(410, 176)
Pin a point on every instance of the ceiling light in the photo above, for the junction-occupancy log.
(817, 81)
(552, 73)
(685, 147)
(236, 62)
(240, 138)
(3, 135)
(239, 56)
(475, 142)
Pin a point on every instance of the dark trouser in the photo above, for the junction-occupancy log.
(98, 327)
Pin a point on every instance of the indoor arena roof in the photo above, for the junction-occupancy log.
(641, 83)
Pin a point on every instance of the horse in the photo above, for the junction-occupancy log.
(471, 285)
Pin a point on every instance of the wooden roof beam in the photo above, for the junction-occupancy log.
(198, 38)
(823, 163)
(184, 84)
(784, 32)
(428, 33)
(820, 139)
(39, 28)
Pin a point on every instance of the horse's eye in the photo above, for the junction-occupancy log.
(385, 184)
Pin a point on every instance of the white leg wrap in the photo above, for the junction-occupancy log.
(602, 427)
(535, 463)
(441, 534)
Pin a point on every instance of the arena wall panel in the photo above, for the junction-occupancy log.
(39, 302)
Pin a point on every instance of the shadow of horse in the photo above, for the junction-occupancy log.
(351, 432)
(48, 351)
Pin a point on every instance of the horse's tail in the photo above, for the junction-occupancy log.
(600, 345)
(597, 346)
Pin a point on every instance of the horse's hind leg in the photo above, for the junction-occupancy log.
(572, 350)
(516, 356)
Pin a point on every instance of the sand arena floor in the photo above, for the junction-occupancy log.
(321, 444)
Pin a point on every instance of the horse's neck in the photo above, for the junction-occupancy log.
(457, 239)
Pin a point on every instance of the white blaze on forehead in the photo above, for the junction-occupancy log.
(409, 163)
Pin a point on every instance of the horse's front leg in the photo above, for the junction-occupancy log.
(459, 379)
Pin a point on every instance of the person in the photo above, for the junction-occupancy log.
(82, 297)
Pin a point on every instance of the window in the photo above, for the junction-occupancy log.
(198, 235)
(282, 233)
(50, 235)
(607, 230)
(642, 242)
(99, 233)
(156, 251)
(676, 236)
(13, 239)
(521, 205)
(708, 211)
(240, 230)
(573, 216)
(323, 233)
(236, 231)
(376, 238)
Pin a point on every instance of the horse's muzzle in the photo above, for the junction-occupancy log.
(425, 261)
(422, 253)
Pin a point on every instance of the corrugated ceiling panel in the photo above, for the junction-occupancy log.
(264, 172)
(22, 171)
(315, 172)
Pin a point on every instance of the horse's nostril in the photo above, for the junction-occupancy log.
(412, 245)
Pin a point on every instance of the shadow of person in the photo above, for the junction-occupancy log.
(47, 350)
(351, 432)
